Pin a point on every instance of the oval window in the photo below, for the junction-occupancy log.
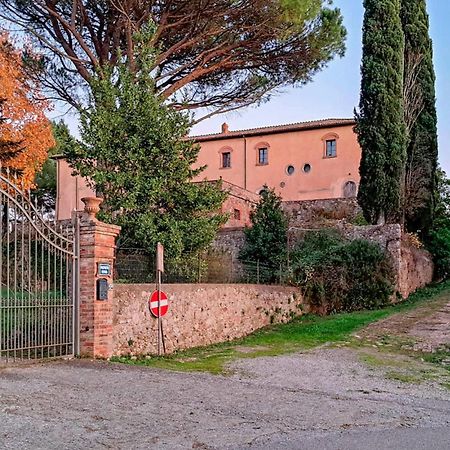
(307, 168)
(290, 170)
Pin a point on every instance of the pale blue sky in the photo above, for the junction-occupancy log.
(335, 91)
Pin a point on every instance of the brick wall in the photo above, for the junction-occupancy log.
(97, 244)
(198, 314)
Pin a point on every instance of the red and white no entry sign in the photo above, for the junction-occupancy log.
(161, 306)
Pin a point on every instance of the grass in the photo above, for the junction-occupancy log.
(303, 333)
(440, 357)
(403, 377)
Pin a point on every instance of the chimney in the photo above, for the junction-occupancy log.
(225, 128)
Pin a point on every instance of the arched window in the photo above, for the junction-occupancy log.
(350, 189)
(262, 153)
(330, 145)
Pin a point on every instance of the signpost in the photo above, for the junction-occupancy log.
(161, 309)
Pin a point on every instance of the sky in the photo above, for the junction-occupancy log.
(334, 92)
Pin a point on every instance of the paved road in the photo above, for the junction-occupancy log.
(326, 399)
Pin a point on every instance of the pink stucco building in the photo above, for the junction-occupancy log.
(302, 161)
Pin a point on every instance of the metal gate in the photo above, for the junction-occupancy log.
(39, 279)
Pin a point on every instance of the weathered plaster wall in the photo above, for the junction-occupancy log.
(198, 314)
(238, 205)
(70, 190)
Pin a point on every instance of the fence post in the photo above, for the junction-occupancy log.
(231, 268)
(97, 245)
(257, 271)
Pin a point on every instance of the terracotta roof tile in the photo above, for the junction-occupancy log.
(311, 125)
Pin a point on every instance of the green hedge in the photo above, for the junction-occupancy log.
(340, 275)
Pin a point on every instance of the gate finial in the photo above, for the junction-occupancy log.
(92, 206)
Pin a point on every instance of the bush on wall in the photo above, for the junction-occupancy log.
(340, 275)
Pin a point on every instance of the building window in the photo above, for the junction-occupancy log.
(330, 148)
(226, 160)
(237, 214)
(307, 168)
(263, 156)
(261, 191)
(290, 170)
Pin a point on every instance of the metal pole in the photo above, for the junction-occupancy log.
(76, 286)
(158, 288)
(257, 271)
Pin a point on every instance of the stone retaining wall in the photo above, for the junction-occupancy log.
(198, 315)
(318, 213)
(413, 266)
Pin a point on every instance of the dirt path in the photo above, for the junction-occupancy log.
(269, 403)
(427, 327)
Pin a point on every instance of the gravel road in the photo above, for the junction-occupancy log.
(325, 399)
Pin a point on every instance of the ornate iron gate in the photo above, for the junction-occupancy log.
(39, 279)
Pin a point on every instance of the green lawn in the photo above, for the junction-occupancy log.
(304, 333)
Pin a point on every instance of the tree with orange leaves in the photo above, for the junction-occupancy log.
(25, 132)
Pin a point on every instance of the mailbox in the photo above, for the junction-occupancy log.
(102, 289)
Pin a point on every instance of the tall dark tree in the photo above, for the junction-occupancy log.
(380, 119)
(216, 54)
(420, 117)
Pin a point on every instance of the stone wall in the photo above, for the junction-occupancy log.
(413, 266)
(416, 268)
(229, 241)
(198, 314)
(319, 213)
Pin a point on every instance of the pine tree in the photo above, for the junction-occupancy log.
(420, 117)
(380, 120)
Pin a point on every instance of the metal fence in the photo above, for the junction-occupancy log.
(137, 266)
(37, 279)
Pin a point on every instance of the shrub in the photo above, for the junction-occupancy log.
(265, 241)
(340, 275)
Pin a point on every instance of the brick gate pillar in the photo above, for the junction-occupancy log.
(97, 246)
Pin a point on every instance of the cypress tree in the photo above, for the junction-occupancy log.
(421, 117)
(380, 120)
